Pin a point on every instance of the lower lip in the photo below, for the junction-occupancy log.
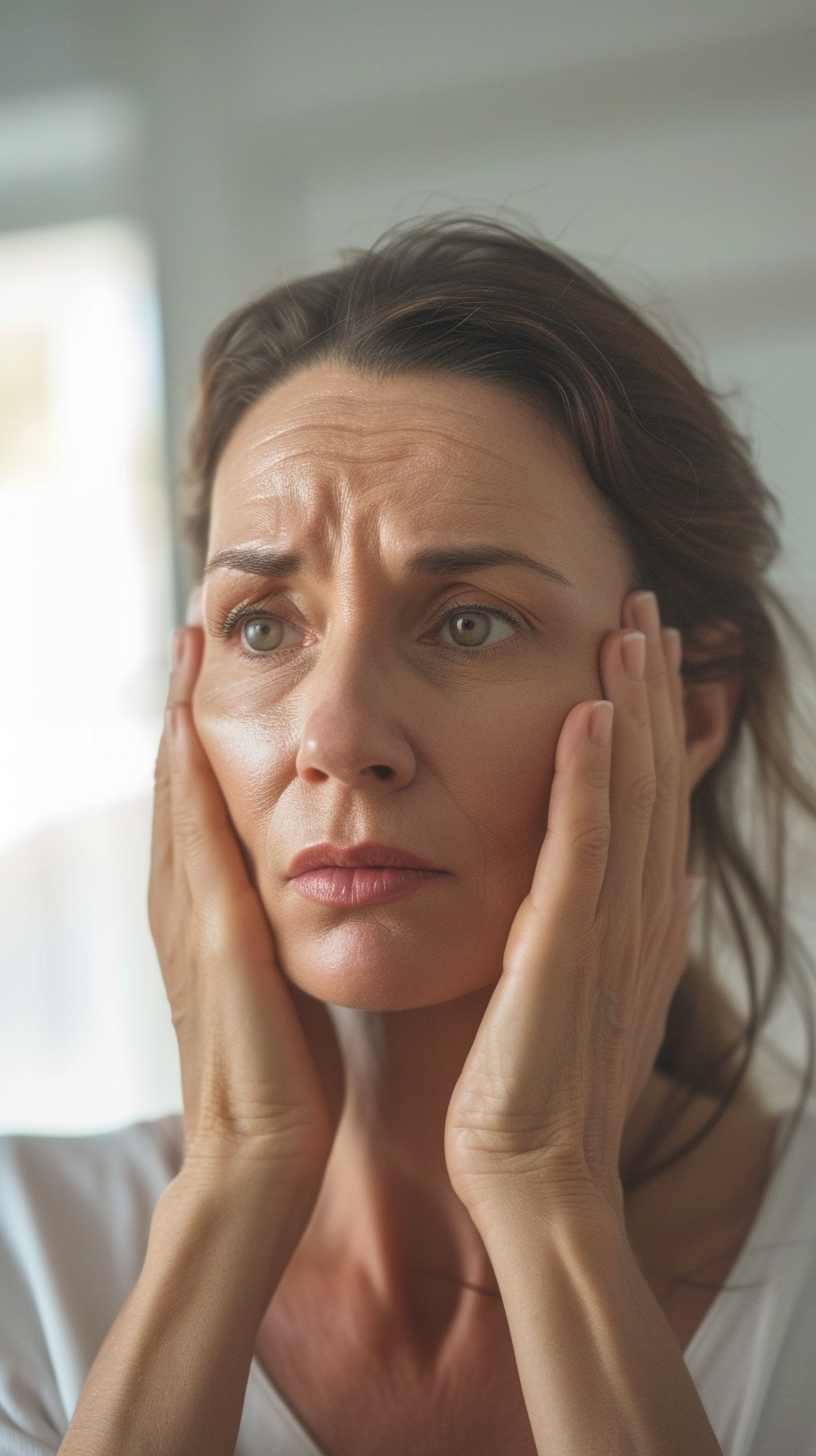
(359, 887)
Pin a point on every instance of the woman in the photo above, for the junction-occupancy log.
(450, 741)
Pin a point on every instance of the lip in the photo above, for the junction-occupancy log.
(357, 875)
(357, 856)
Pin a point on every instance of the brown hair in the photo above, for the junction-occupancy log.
(474, 298)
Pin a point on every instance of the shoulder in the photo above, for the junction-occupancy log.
(74, 1221)
(785, 1241)
(752, 1358)
(146, 1154)
(58, 1192)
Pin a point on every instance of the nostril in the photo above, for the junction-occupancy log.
(382, 770)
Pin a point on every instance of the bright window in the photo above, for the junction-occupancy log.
(84, 618)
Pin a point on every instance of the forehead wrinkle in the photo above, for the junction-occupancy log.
(368, 424)
(387, 446)
(341, 464)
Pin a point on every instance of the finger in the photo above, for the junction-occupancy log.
(199, 822)
(659, 872)
(186, 649)
(673, 654)
(185, 662)
(670, 930)
(632, 791)
(161, 848)
(201, 826)
(195, 607)
(573, 859)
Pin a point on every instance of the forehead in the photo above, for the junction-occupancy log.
(331, 455)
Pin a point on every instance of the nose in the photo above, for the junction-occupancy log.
(348, 734)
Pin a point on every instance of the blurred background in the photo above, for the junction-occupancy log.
(163, 160)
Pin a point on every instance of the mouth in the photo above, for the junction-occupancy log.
(359, 875)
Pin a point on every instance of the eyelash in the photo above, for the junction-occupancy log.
(234, 621)
(236, 618)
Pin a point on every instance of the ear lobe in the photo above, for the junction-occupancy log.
(709, 710)
(709, 705)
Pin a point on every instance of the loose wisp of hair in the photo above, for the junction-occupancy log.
(474, 298)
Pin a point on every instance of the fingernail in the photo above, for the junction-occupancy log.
(633, 654)
(176, 648)
(673, 647)
(195, 607)
(600, 723)
(647, 612)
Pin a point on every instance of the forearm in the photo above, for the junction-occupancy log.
(171, 1375)
(600, 1368)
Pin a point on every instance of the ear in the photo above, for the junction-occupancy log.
(709, 706)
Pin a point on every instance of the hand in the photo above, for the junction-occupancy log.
(250, 1045)
(597, 947)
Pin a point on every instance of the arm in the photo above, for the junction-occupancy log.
(171, 1375)
(600, 1369)
(569, 1039)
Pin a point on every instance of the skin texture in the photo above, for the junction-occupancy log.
(411, 1208)
(348, 475)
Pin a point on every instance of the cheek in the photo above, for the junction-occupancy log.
(499, 768)
(249, 745)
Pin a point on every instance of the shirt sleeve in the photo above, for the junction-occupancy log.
(32, 1419)
(74, 1221)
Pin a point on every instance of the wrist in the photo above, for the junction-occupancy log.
(530, 1240)
(543, 1200)
(235, 1212)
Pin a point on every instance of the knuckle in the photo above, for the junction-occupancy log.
(188, 830)
(640, 712)
(590, 843)
(641, 795)
(596, 778)
(667, 776)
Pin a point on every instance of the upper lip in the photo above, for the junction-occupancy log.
(356, 856)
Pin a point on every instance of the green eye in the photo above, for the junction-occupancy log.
(471, 628)
(262, 634)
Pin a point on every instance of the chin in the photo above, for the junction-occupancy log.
(374, 965)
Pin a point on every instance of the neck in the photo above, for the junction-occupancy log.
(386, 1200)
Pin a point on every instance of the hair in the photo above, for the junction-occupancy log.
(476, 299)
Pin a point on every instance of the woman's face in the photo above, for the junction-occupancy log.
(408, 583)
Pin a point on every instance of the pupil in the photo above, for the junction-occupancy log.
(471, 629)
(263, 636)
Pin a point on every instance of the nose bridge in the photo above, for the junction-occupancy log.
(353, 666)
(351, 730)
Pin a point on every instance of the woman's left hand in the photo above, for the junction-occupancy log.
(597, 947)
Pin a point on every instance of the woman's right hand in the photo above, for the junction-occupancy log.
(250, 1044)
(171, 1374)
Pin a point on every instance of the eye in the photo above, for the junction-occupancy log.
(473, 627)
(266, 634)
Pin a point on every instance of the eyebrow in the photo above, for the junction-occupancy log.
(255, 561)
(434, 561)
(444, 562)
